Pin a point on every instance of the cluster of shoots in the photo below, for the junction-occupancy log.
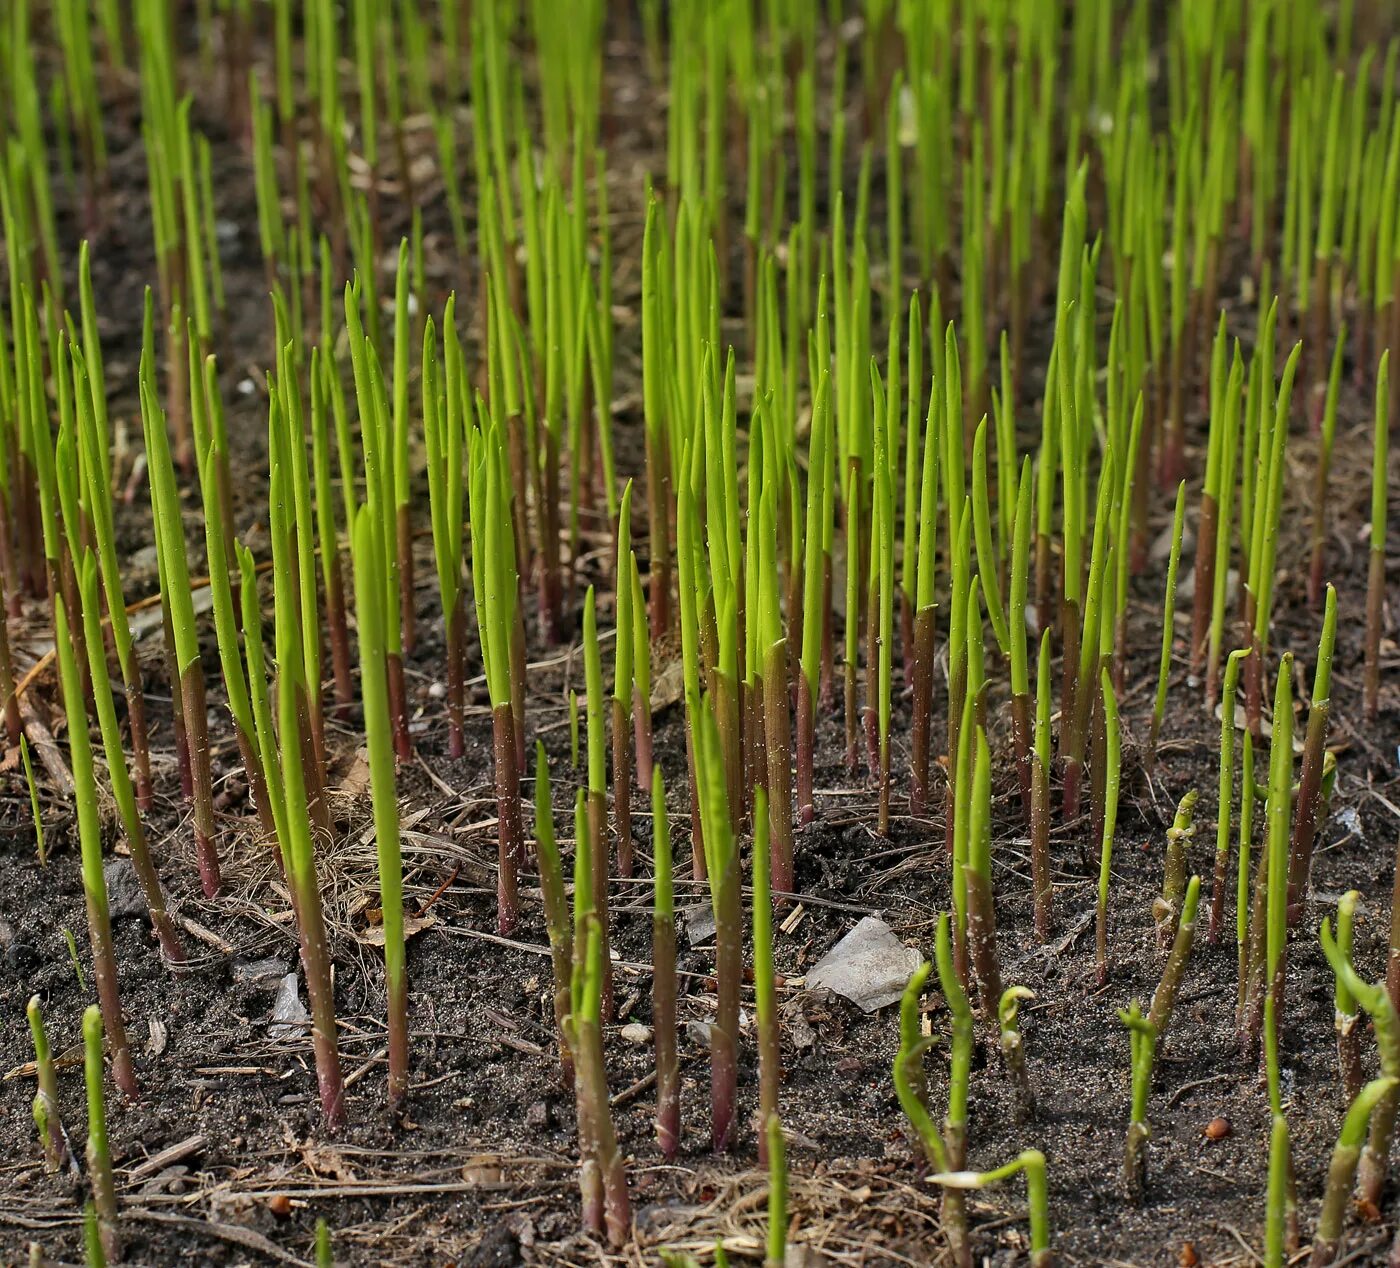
(861, 514)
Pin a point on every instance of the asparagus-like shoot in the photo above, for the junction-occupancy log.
(1168, 618)
(1040, 795)
(34, 814)
(776, 1249)
(1226, 794)
(602, 1176)
(910, 1082)
(556, 909)
(1305, 820)
(374, 686)
(99, 1158)
(663, 981)
(1375, 577)
(722, 867)
(46, 1117)
(1375, 1157)
(1032, 1163)
(1317, 567)
(623, 646)
(1113, 760)
(104, 960)
(1013, 1050)
(122, 791)
(1341, 1171)
(1020, 672)
(947, 1151)
(325, 1258)
(1166, 907)
(1145, 1033)
(981, 909)
(1346, 1013)
(770, 1071)
(959, 1074)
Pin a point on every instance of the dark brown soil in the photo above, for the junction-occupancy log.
(483, 1173)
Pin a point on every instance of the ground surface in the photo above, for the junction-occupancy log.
(483, 1173)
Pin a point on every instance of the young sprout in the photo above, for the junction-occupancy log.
(816, 571)
(1318, 565)
(1113, 747)
(1346, 1013)
(981, 907)
(776, 1248)
(284, 754)
(1375, 577)
(770, 1071)
(104, 960)
(1013, 1049)
(602, 1176)
(641, 674)
(34, 814)
(1224, 798)
(663, 982)
(573, 730)
(122, 792)
(177, 596)
(1031, 1162)
(325, 1258)
(1145, 1034)
(444, 433)
(597, 781)
(46, 1116)
(9, 701)
(1021, 706)
(1341, 1171)
(623, 681)
(722, 869)
(556, 911)
(1168, 615)
(369, 587)
(1309, 801)
(947, 1152)
(494, 585)
(1165, 909)
(99, 1158)
(1040, 795)
(1375, 1156)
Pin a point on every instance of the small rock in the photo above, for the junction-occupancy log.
(124, 896)
(289, 1016)
(263, 973)
(280, 1205)
(538, 1115)
(698, 1032)
(869, 966)
(21, 958)
(499, 1247)
(800, 1033)
(699, 924)
(635, 1033)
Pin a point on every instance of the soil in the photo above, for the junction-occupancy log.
(483, 1171)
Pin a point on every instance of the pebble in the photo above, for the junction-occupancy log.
(124, 896)
(636, 1033)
